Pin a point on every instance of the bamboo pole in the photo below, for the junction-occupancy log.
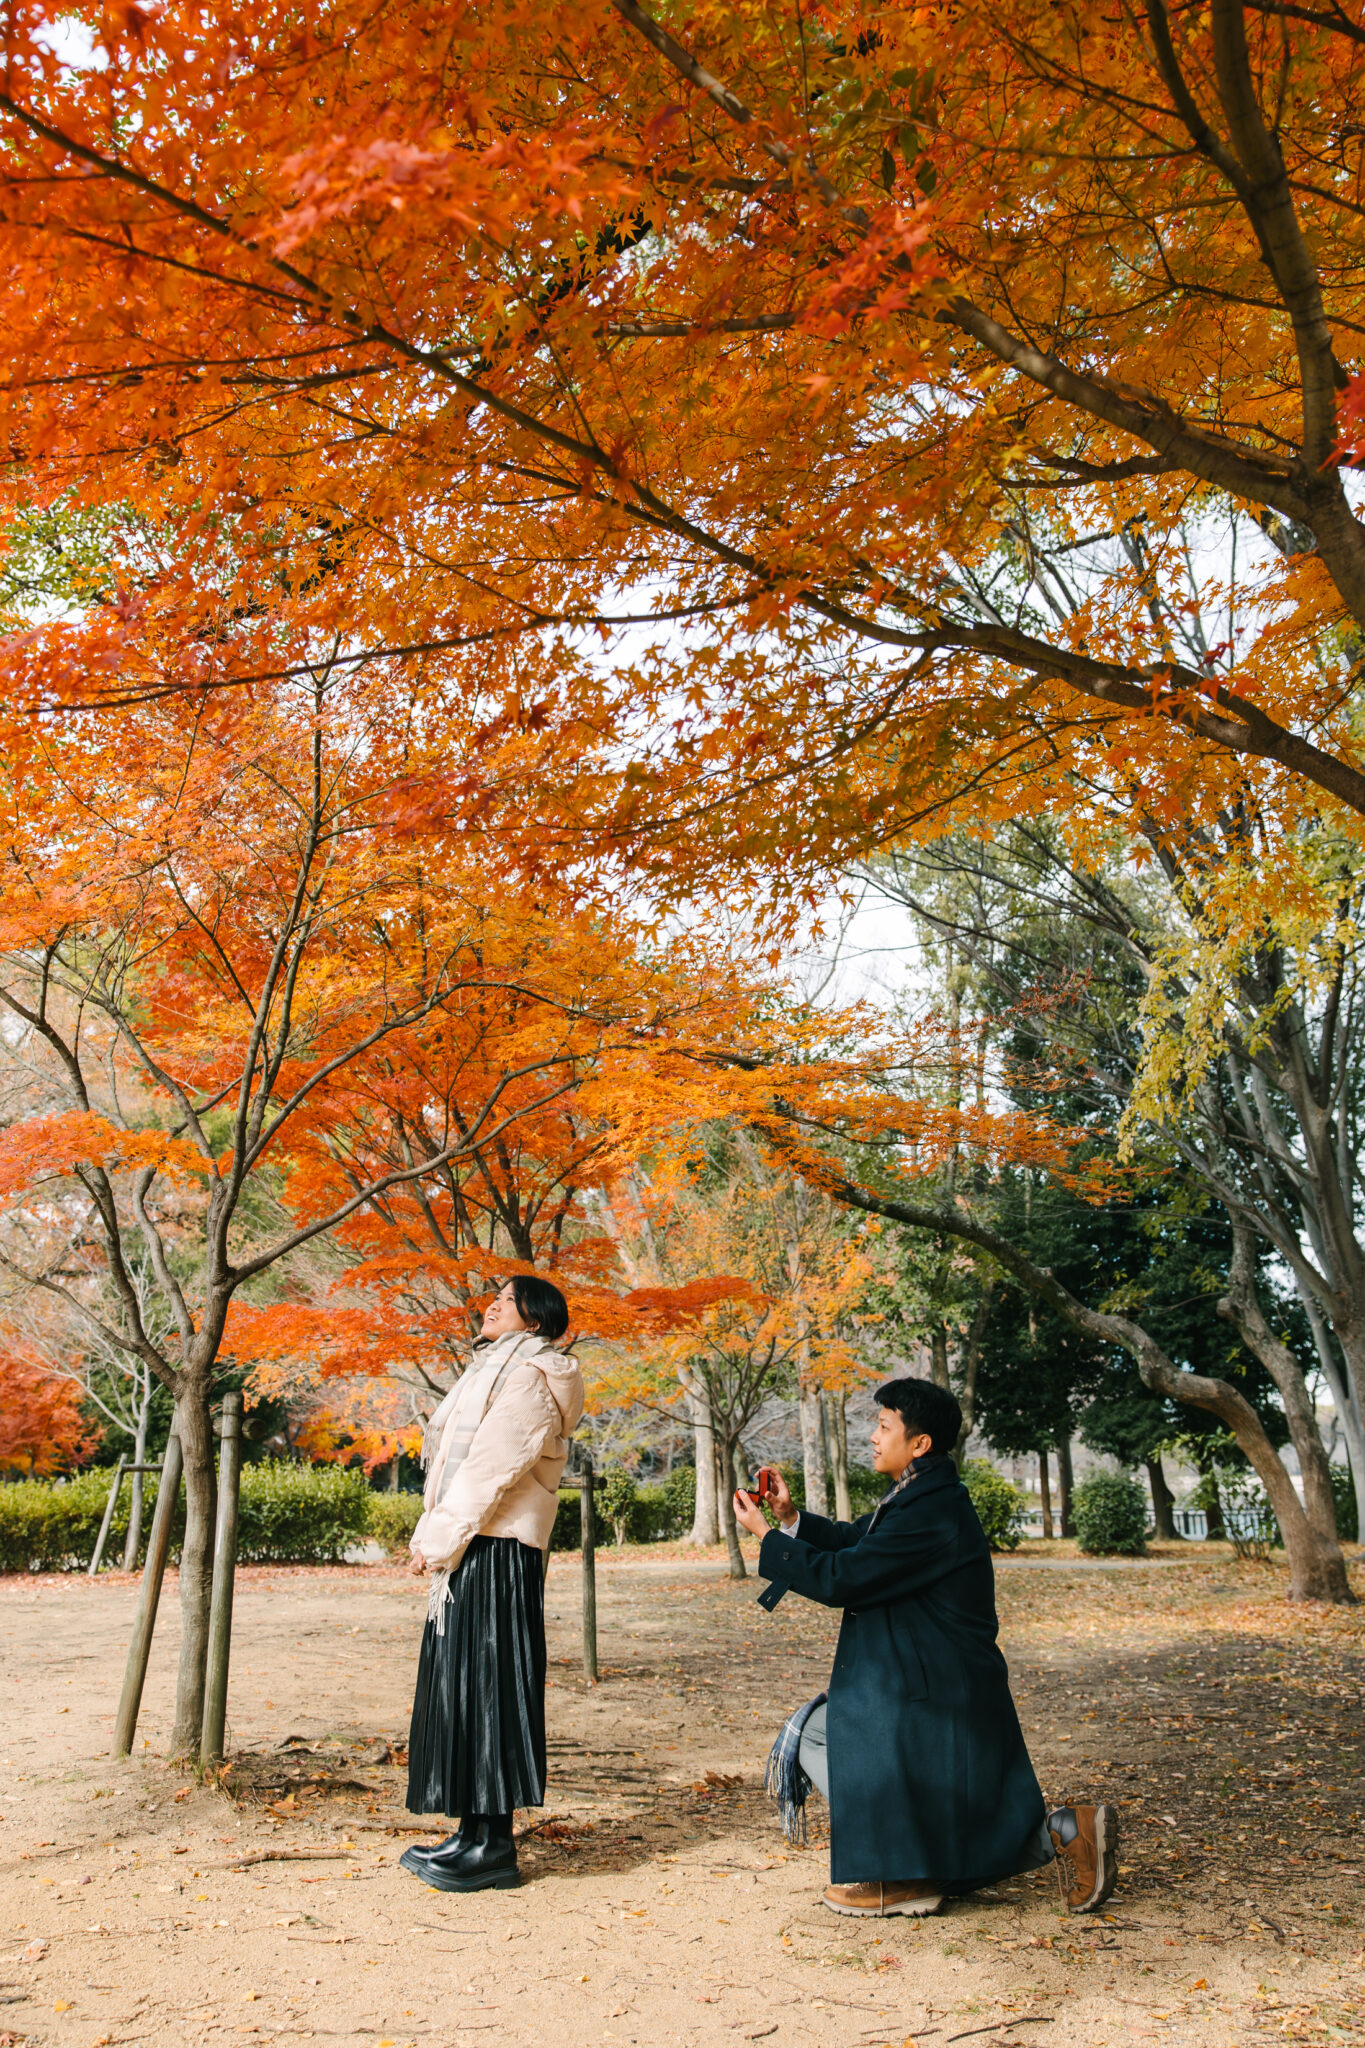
(109, 1506)
(224, 1574)
(585, 1493)
(158, 1547)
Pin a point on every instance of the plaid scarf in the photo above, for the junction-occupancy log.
(784, 1779)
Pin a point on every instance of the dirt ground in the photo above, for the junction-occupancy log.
(661, 1903)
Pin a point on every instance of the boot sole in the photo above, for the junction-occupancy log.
(503, 1881)
(412, 1859)
(908, 1909)
(1106, 1859)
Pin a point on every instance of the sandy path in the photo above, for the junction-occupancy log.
(669, 1909)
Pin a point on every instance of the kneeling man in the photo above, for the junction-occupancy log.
(918, 1747)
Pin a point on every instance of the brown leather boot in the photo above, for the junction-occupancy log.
(1086, 1841)
(880, 1901)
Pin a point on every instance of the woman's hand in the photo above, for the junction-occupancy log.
(750, 1515)
(419, 1566)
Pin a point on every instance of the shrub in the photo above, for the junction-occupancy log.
(997, 1503)
(392, 1519)
(674, 1503)
(1110, 1512)
(865, 1489)
(618, 1505)
(567, 1532)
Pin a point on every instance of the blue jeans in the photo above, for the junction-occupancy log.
(812, 1754)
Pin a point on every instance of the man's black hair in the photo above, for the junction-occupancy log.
(540, 1305)
(926, 1410)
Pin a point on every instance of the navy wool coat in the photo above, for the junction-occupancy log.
(929, 1776)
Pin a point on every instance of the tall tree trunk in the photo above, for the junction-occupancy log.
(705, 1519)
(1163, 1503)
(1214, 1525)
(1343, 1384)
(729, 1480)
(971, 1360)
(938, 1356)
(194, 1426)
(1241, 1307)
(394, 1464)
(132, 1543)
(1065, 1485)
(836, 1422)
(813, 1448)
(1045, 1493)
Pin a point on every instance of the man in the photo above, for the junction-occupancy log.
(918, 1748)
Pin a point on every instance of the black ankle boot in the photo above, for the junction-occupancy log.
(482, 1857)
(413, 1858)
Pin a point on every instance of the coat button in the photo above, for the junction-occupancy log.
(786, 1557)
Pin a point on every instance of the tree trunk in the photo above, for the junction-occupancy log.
(705, 1522)
(1163, 1503)
(971, 1360)
(813, 1449)
(1065, 1485)
(393, 1474)
(938, 1356)
(836, 1422)
(1045, 1494)
(1214, 1524)
(729, 1527)
(194, 1426)
(1343, 1385)
(1241, 1307)
(133, 1541)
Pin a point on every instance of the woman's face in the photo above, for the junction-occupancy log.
(500, 1318)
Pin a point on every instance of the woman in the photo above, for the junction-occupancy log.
(495, 1450)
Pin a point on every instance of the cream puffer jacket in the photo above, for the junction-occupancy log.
(508, 1482)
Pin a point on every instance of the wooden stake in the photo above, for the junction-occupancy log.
(585, 1492)
(158, 1547)
(224, 1574)
(105, 1525)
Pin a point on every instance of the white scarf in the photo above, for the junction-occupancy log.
(468, 1402)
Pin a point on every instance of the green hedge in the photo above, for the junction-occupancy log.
(302, 1514)
(315, 1514)
(290, 1514)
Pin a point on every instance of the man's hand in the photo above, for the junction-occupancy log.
(750, 1515)
(779, 1494)
(419, 1566)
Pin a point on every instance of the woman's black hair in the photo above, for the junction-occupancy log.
(925, 1409)
(540, 1305)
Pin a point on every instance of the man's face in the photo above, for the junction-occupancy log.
(893, 1445)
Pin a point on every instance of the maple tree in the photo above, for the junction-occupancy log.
(896, 358)
(227, 940)
(42, 1429)
(901, 378)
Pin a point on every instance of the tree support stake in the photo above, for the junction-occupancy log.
(158, 1548)
(224, 1576)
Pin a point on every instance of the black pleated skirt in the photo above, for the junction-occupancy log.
(477, 1743)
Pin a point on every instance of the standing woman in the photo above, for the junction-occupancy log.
(495, 1451)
